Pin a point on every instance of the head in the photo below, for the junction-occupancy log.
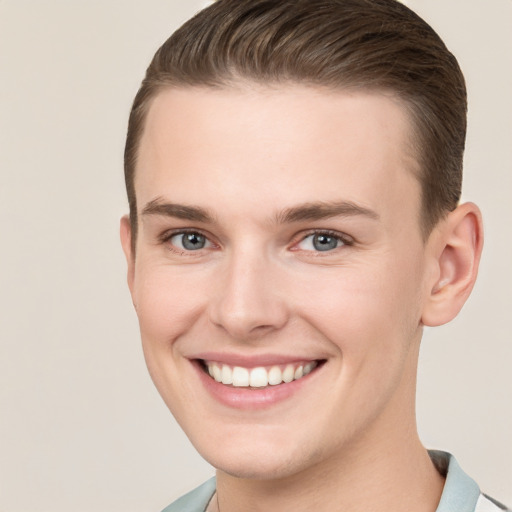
(293, 170)
(364, 45)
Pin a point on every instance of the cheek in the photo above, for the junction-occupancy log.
(167, 304)
(368, 311)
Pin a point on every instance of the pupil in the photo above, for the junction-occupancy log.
(324, 242)
(193, 241)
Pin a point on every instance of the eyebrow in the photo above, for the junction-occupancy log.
(324, 210)
(303, 212)
(179, 211)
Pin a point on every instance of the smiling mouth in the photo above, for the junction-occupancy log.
(258, 377)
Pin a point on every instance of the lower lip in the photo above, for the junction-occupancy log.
(251, 398)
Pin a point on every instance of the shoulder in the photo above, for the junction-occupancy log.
(194, 501)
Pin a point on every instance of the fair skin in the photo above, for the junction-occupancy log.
(280, 227)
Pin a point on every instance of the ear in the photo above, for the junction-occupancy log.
(126, 243)
(456, 245)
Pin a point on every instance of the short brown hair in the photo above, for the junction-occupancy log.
(364, 44)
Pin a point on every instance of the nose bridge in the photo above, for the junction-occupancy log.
(248, 302)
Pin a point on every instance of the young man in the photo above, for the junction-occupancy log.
(293, 171)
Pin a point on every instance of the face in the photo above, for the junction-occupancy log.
(280, 272)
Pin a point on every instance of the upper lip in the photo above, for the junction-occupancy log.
(252, 361)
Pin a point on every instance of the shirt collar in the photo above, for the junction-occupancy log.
(460, 492)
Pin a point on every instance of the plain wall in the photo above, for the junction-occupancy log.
(81, 426)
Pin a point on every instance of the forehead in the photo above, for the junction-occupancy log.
(283, 144)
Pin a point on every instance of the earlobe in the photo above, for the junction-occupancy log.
(126, 243)
(458, 246)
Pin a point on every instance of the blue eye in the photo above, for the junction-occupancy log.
(320, 242)
(189, 241)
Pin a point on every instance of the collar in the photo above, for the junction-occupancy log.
(460, 492)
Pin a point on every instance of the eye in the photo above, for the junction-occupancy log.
(321, 242)
(191, 241)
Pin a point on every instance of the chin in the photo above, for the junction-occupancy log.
(271, 459)
(252, 467)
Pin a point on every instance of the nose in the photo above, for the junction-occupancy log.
(248, 302)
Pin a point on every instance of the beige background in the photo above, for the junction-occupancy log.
(81, 427)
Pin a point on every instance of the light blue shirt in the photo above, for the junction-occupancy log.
(460, 493)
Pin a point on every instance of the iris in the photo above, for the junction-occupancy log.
(322, 242)
(193, 241)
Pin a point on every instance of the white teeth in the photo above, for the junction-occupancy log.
(308, 368)
(226, 375)
(215, 372)
(275, 376)
(289, 373)
(258, 377)
(240, 377)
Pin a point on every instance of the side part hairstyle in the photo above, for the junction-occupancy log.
(371, 45)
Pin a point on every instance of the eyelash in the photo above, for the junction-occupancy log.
(343, 238)
(165, 238)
